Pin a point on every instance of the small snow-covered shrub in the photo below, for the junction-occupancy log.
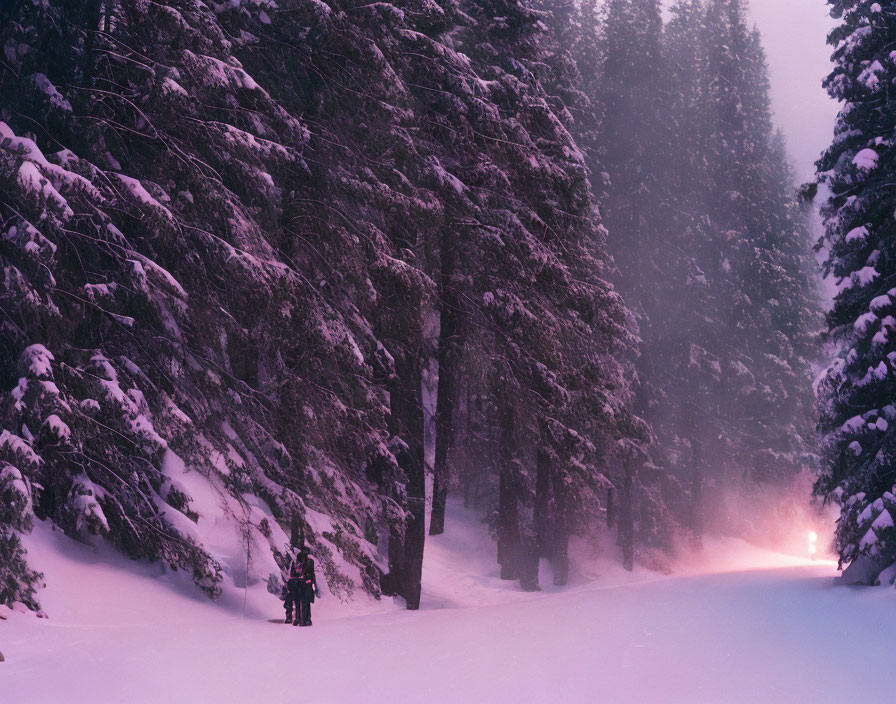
(18, 583)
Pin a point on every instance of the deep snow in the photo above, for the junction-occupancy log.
(745, 625)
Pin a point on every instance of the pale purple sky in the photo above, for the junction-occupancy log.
(794, 33)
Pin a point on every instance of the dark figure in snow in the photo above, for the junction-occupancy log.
(301, 589)
(290, 587)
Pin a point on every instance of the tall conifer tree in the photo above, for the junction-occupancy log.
(858, 420)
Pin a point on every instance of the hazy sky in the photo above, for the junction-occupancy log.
(794, 33)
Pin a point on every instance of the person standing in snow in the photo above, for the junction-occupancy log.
(307, 589)
(291, 589)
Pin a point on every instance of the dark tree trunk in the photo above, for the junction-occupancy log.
(508, 526)
(508, 512)
(92, 19)
(107, 16)
(528, 567)
(415, 533)
(469, 452)
(541, 511)
(560, 534)
(626, 536)
(697, 494)
(407, 415)
(391, 584)
(611, 507)
(694, 511)
(449, 326)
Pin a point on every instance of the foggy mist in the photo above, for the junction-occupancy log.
(794, 34)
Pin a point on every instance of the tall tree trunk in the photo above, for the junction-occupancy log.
(560, 534)
(469, 451)
(611, 507)
(449, 326)
(626, 535)
(93, 10)
(541, 511)
(407, 414)
(528, 566)
(508, 512)
(392, 583)
(508, 526)
(697, 493)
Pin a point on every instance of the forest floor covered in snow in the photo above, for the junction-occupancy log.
(743, 625)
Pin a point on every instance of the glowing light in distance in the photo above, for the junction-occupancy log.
(813, 543)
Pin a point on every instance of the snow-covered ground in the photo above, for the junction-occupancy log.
(744, 626)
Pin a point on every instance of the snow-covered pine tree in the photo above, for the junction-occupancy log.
(856, 394)
(164, 298)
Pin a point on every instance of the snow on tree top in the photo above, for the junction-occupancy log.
(43, 84)
(220, 73)
(869, 77)
(32, 180)
(862, 277)
(136, 189)
(868, 540)
(880, 303)
(858, 234)
(19, 447)
(883, 521)
(22, 145)
(855, 498)
(11, 479)
(37, 361)
(851, 42)
(863, 322)
(878, 373)
(57, 426)
(866, 160)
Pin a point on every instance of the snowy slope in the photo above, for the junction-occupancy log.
(754, 627)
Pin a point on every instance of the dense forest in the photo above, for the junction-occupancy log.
(339, 259)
